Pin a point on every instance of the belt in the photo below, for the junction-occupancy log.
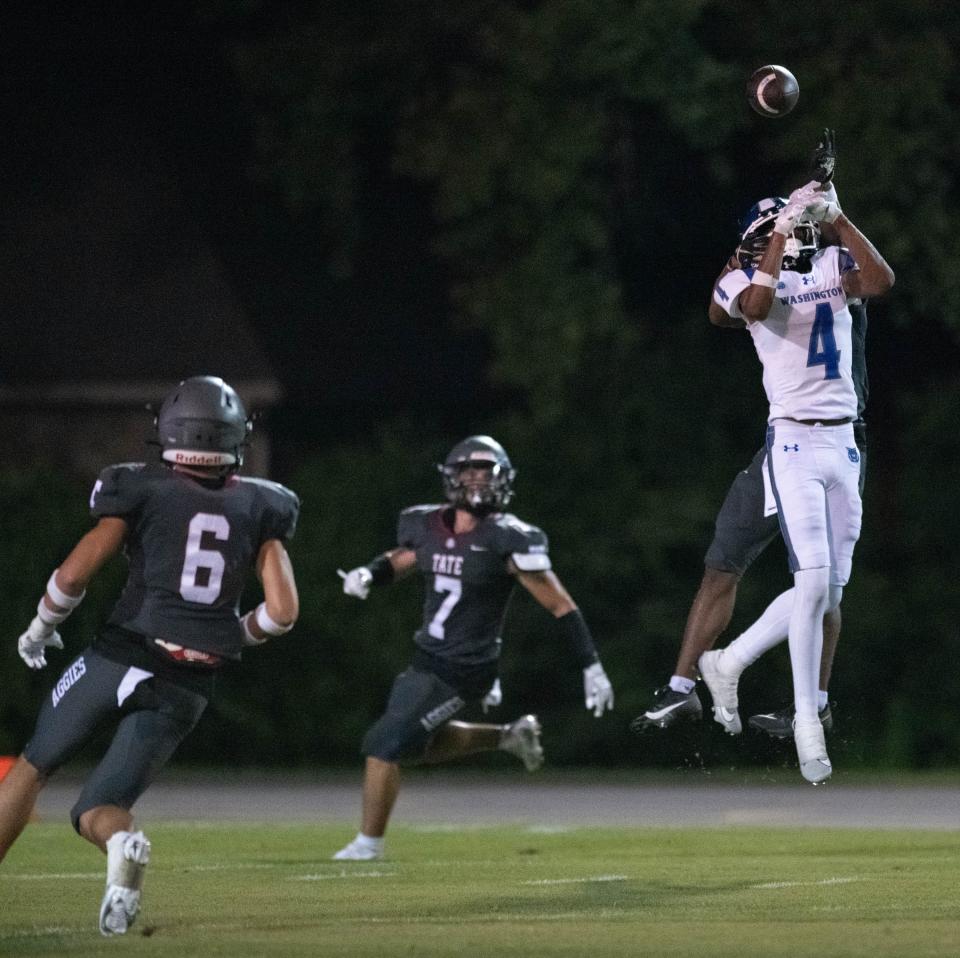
(821, 422)
(193, 656)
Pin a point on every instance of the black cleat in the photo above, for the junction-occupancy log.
(779, 724)
(669, 708)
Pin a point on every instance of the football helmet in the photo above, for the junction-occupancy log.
(203, 423)
(478, 495)
(756, 227)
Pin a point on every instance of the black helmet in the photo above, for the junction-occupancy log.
(478, 451)
(203, 423)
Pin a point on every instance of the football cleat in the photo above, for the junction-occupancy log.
(723, 690)
(815, 766)
(358, 851)
(522, 738)
(779, 724)
(128, 854)
(118, 910)
(670, 707)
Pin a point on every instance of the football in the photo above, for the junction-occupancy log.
(772, 91)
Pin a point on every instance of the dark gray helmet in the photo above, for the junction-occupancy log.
(203, 423)
(480, 497)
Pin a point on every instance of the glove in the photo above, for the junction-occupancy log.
(797, 202)
(824, 158)
(32, 643)
(493, 698)
(357, 581)
(597, 690)
(826, 207)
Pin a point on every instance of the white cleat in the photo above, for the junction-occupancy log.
(128, 854)
(357, 851)
(118, 910)
(522, 739)
(723, 691)
(815, 766)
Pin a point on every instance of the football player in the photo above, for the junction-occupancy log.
(470, 553)
(192, 530)
(745, 526)
(793, 296)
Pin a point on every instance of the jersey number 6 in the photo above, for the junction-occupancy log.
(209, 560)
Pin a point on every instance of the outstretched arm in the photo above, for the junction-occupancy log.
(381, 570)
(548, 590)
(874, 277)
(67, 586)
(715, 312)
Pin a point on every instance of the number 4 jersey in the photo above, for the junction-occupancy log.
(191, 547)
(805, 342)
(466, 579)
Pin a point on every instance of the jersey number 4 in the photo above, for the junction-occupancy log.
(204, 565)
(822, 350)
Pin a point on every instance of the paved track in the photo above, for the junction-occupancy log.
(555, 800)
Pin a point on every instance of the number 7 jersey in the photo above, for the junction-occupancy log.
(191, 548)
(805, 343)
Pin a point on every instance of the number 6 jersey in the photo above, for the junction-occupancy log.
(191, 546)
(805, 342)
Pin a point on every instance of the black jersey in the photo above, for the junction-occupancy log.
(466, 579)
(190, 548)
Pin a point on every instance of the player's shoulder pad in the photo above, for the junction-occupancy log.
(412, 524)
(119, 489)
(525, 544)
(283, 506)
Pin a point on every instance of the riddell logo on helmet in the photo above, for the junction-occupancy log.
(199, 458)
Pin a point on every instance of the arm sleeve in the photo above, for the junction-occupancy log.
(726, 294)
(118, 491)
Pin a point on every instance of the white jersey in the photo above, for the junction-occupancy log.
(805, 343)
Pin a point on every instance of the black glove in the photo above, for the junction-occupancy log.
(824, 158)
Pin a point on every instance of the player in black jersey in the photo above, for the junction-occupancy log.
(470, 554)
(192, 530)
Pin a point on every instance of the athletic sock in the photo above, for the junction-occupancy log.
(769, 630)
(682, 684)
(822, 700)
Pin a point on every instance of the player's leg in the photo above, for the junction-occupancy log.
(18, 793)
(420, 703)
(800, 462)
(157, 716)
(743, 531)
(456, 739)
(82, 698)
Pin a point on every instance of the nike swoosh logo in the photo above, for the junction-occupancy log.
(725, 714)
(662, 712)
(474, 548)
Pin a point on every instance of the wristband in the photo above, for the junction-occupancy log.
(381, 570)
(60, 598)
(760, 278)
(48, 617)
(248, 637)
(267, 624)
(575, 631)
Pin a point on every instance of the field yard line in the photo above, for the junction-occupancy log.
(800, 884)
(575, 881)
(342, 874)
(52, 875)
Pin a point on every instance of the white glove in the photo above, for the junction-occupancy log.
(825, 208)
(797, 202)
(357, 581)
(38, 637)
(597, 690)
(493, 698)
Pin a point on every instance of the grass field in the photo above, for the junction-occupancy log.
(246, 889)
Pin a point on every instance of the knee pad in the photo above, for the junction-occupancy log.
(813, 587)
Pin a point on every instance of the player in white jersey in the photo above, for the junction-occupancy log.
(793, 297)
